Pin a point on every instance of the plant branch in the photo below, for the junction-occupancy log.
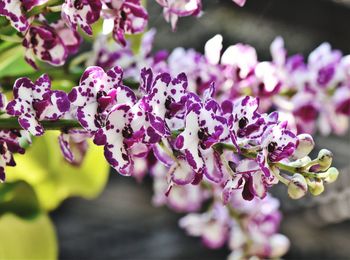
(41, 8)
(288, 168)
(11, 123)
(62, 124)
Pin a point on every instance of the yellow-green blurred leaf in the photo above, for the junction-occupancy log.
(135, 40)
(63, 84)
(12, 62)
(53, 178)
(27, 239)
(96, 30)
(18, 198)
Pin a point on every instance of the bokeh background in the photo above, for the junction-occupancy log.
(122, 223)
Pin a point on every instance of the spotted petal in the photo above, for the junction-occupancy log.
(254, 178)
(82, 13)
(29, 122)
(112, 137)
(279, 141)
(59, 104)
(12, 10)
(73, 145)
(44, 43)
(189, 142)
(181, 173)
(91, 82)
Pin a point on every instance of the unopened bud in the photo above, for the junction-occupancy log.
(300, 162)
(279, 245)
(324, 161)
(297, 186)
(316, 187)
(332, 175)
(305, 145)
(325, 157)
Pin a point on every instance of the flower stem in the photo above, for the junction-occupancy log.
(55, 8)
(282, 179)
(288, 168)
(62, 124)
(41, 8)
(302, 170)
(168, 151)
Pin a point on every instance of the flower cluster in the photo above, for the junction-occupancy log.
(228, 142)
(173, 9)
(210, 138)
(34, 102)
(195, 137)
(249, 229)
(9, 143)
(197, 148)
(53, 41)
(296, 88)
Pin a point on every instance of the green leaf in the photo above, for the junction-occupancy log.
(53, 178)
(12, 62)
(18, 198)
(27, 239)
(10, 55)
(135, 40)
(64, 85)
(6, 45)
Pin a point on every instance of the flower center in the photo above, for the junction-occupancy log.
(78, 4)
(272, 147)
(127, 132)
(243, 122)
(2, 148)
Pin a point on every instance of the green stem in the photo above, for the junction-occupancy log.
(62, 124)
(167, 151)
(40, 9)
(78, 60)
(302, 170)
(282, 179)
(55, 9)
(176, 133)
(227, 166)
(224, 146)
(219, 147)
(288, 168)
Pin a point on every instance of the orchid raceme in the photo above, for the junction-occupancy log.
(196, 138)
(294, 87)
(215, 131)
(198, 141)
(53, 41)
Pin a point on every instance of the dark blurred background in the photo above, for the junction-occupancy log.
(122, 223)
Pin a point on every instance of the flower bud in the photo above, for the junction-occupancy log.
(325, 157)
(297, 186)
(279, 245)
(316, 187)
(300, 162)
(323, 161)
(332, 175)
(305, 145)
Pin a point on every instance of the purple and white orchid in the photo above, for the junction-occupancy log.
(82, 13)
(36, 101)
